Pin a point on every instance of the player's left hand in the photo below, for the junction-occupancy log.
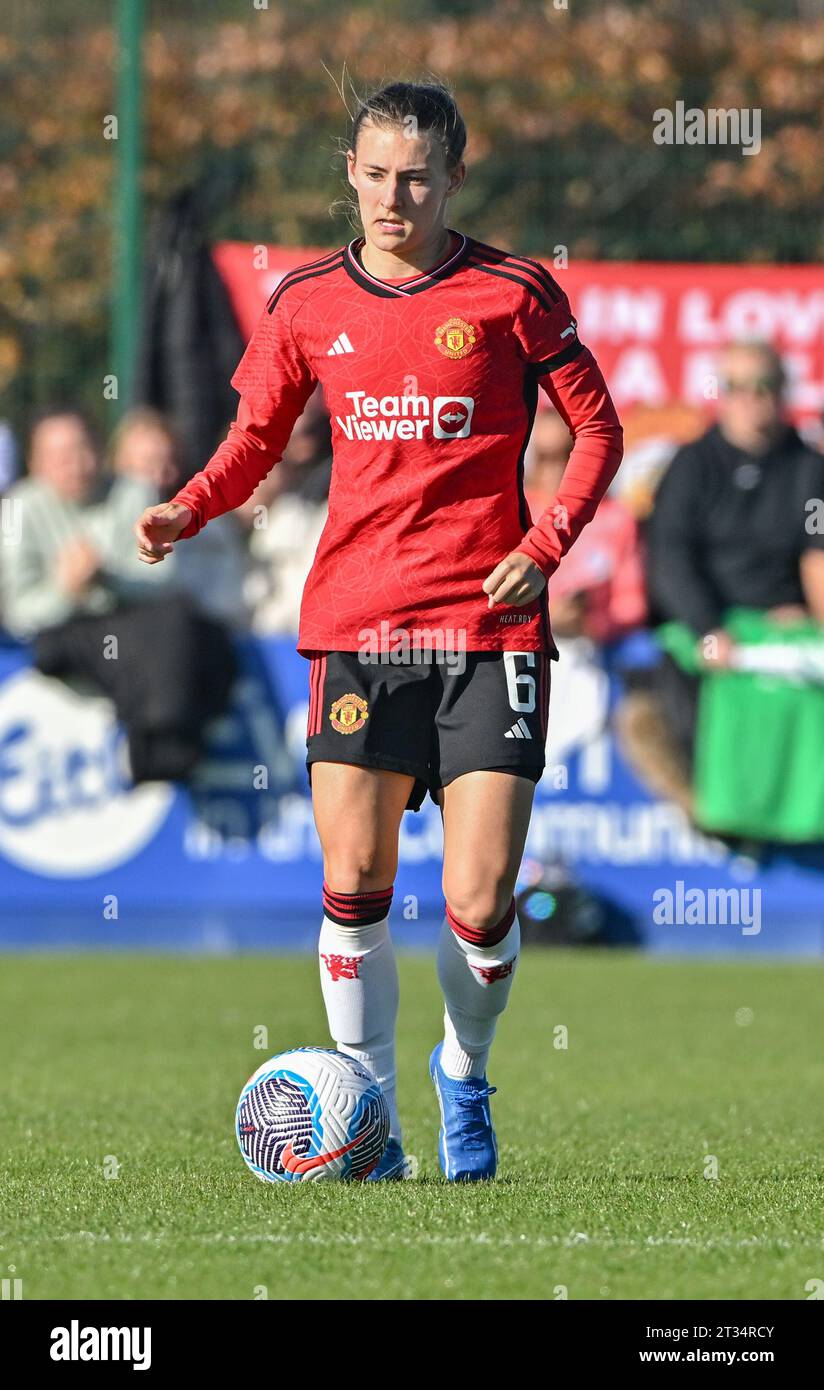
(515, 581)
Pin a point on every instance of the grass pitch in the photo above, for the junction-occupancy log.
(673, 1072)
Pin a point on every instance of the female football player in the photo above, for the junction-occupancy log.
(424, 617)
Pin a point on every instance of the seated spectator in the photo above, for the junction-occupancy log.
(598, 589)
(73, 585)
(729, 530)
(287, 514)
(71, 557)
(213, 568)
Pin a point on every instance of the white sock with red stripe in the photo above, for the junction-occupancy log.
(359, 981)
(475, 970)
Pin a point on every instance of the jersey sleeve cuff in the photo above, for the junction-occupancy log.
(195, 525)
(547, 564)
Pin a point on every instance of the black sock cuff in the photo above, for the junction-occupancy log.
(357, 909)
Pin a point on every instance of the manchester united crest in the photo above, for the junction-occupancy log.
(348, 714)
(455, 338)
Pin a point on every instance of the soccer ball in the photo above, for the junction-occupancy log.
(312, 1115)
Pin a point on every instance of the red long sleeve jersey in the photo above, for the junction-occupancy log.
(431, 384)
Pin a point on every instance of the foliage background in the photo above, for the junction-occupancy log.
(558, 104)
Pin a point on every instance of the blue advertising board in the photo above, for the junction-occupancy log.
(233, 861)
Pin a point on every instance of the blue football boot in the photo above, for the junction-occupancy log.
(392, 1166)
(467, 1148)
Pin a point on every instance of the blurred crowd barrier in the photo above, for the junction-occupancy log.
(232, 859)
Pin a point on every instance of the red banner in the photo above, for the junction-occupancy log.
(654, 328)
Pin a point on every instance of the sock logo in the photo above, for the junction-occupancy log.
(342, 967)
(490, 973)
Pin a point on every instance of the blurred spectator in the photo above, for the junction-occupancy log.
(287, 514)
(72, 556)
(212, 566)
(728, 530)
(652, 436)
(729, 526)
(72, 582)
(598, 590)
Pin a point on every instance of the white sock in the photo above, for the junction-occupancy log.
(359, 981)
(476, 981)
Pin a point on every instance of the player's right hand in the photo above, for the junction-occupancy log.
(158, 528)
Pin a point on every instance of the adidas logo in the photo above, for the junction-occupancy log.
(520, 729)
(341, 344)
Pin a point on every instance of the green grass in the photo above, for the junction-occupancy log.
(601, 1185)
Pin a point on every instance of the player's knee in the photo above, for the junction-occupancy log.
(481, 905)
(358, 871)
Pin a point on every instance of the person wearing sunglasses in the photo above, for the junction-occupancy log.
(732, 526)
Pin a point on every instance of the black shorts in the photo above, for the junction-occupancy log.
(430, 719)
